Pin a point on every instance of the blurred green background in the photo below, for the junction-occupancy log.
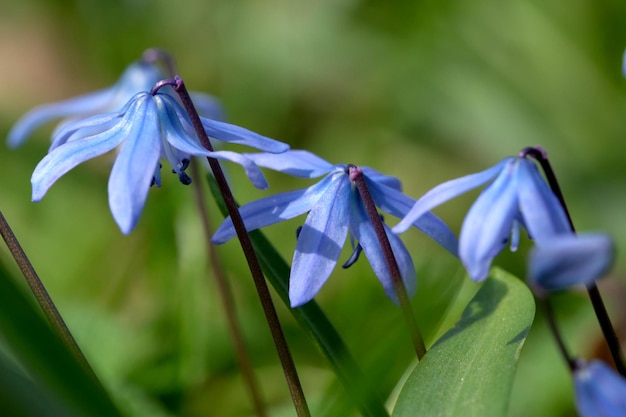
(423, 90)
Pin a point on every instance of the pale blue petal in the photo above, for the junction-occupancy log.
(543, 214)
(568, 260)
(89, 103)
(179, 138)
(363, 230)
(79, 129)
(600, 391)
(235, 134)
(134, 166)
(487, 225)
(273, 209)
(136, 78)
(70, 154)
(379, 178)
(298, 163)
(398, 204)
(253, 172)
(320, 242)
(207, 106)
(447, 191)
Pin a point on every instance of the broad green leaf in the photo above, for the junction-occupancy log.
(469, 371)
(45, 358)
(311, 317)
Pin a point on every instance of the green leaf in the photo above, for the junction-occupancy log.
(20, 396)
(311, 317)
(45, 358)
(469, 371)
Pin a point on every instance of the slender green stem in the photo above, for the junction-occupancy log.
(243, 358)
(592, 289)
(549, 313)
(356, 175)
(289, 369)
(43, 298)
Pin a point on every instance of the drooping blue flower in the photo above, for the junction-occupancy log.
(568, 260)
(600, 391)
(139, 76)
(149, 126)
(518, 196)
(335, 210)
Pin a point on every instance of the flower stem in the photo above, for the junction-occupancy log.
(228, 303)
(356, 175)
(43, 298)
(592, 289)
(289, 369)
(549, 313)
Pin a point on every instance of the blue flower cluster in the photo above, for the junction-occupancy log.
(147, 125)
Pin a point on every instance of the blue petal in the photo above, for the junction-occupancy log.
(600, 391)
(252, 170)
(139, 76)
(379, 178)
(447, 191)
(487, 226)
(235, 134)
(89, 103)
(361, 227)
(135, 164)
(398, 204)
(568, 260)
(320, 242)
(298, 163)
(83, 128)
(543, 214)
(67, 156)
(270, 210)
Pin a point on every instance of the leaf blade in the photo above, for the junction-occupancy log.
(470, 370)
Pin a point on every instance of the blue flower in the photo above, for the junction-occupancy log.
(139, 76)
(567, 260)
(600, 391)
(335, 210)
(518, 196)
(149, 126)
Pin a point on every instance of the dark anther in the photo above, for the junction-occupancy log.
(354, 257)
(184, 178)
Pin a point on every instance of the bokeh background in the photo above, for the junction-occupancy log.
(423, 90)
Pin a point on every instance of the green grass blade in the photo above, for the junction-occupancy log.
(45, 358)
(469, 371)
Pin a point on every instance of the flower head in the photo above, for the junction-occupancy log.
(335, 210)
(518, 196)
(147, 127)
(567, 260)
(139, 76)
(600, 391)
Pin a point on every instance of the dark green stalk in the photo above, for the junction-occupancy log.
(289, 369)
(549, 313)
(592, 289)
(43, 298)
(356, 175)
(243, 358)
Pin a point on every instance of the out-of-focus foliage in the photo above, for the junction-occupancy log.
(423, 90)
